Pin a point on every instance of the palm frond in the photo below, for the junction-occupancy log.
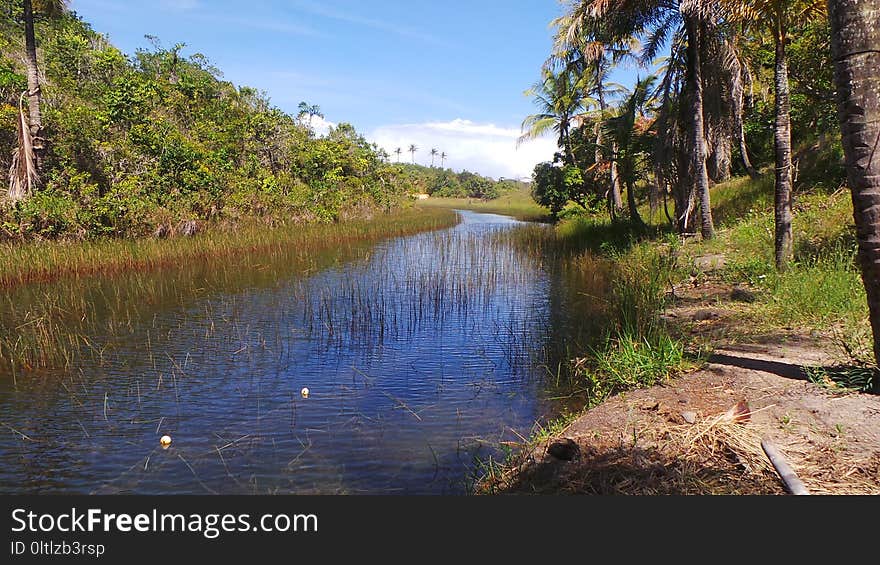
(536, 126)
(23, 172)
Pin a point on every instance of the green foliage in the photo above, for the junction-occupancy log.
(445, 183)
(811, 81)
(46, 214)
(859, 379)
(140, 141)
(11, 83)
(554, 185)
(630, 361)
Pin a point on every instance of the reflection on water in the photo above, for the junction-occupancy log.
(421, 355)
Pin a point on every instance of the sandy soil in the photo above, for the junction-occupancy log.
(682, 437)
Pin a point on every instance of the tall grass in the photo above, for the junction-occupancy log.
(626, 279)
(637, 351)
(634, 361)
(47, 261)
(822, 290)
(62, 301)
(819, 291)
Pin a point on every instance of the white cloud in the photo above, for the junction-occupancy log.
(322, 126)
(487, 149)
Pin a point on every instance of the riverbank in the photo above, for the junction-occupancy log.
(516, 203)
(791, 349)
(24, 263)
(51, 289)
(702, 432)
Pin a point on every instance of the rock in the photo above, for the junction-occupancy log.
(651, 405)
(689, 417)
(743, 295)
(566, 449)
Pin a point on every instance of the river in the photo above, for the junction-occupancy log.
(422, 356)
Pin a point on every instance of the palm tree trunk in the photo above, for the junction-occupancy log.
(744, 149)
(739, 124)
(741, 83)
(615, 198)
(782, 131)
(609, 196)
(697, 129)
(719, 160)
(34, 94)
(567, 146)
(654, 196)
(634, 215)
(664, 190)
(855, 44)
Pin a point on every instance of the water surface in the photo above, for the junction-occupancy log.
(422, 355)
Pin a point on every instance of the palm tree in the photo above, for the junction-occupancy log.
(27, 162)
(777, 16)
(657, 21)
(443, 157)
(412, 149)
(434, 153)
(623, 131)
(698, 130)
(397, 152)
(855, 37)
(310, 110)
(601, 68)
(579, 45)
(561, 99)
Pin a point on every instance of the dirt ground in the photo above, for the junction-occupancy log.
(686, 435)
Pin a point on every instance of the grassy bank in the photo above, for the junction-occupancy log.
(821, 292)
(820, 295)
(56, 294)
(516, 203)
(47, 261)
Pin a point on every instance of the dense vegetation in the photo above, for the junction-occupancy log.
(723, 101)
(446, 183)
(159, 142)
(731, 132)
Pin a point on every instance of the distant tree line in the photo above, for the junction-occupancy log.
(446, 183)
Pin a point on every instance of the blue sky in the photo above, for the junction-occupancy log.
(449, 75)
